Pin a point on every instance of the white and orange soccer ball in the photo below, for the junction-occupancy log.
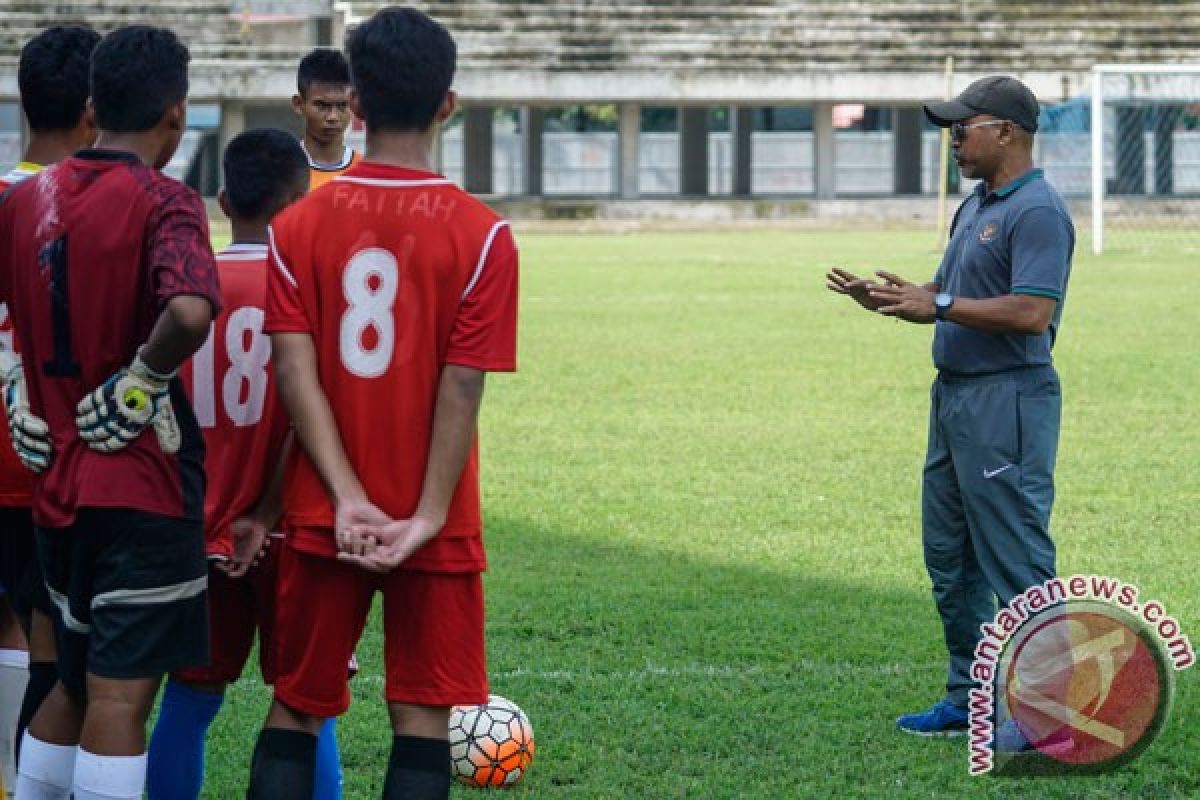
(491, 744)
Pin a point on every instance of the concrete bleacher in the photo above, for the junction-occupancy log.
(222, 39)
(693, 54)
(736, 48)
(201, 24)
(696, 54)
(208, 26)
(772, 36)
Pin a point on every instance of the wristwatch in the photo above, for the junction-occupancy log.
(941, 304)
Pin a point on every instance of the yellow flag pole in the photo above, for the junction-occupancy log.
(944, 161)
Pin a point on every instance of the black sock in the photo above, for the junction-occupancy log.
(42, 677)
(283, 765)
(419, 769)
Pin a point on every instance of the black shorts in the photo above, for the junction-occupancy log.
(130, 595)
(20, 574)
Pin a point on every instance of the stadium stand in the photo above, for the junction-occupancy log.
(690, 54)
(823, 36)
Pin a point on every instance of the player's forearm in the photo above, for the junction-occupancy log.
(460, 393)
(316, 428)
(307, 405)
(1014, 313)
(179, 331)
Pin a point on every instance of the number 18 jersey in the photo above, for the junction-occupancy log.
(232, 389)
(395, 274)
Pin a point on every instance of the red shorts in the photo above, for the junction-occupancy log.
(237, 609)
(433, 642)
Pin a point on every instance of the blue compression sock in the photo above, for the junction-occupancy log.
(327, 784)
(176, 767)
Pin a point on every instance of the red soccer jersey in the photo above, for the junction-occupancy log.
(232, 389)
(16, 482)
(395, 273)
(90, 251)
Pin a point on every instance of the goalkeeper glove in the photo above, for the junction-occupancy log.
(29, 433)
(116, 413)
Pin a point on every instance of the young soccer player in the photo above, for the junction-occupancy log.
(231, 385)
(322, 100)
(52, 75)
(107, 267)
(392, 293)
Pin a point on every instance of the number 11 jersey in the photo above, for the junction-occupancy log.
(395, 273)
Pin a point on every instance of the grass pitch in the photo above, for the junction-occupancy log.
(702, 499)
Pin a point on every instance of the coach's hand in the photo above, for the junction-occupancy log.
(903, 299)
(858, 289)
(393, 543)
(29, 433)
(116, 413)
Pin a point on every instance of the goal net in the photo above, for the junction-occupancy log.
(1145, 158)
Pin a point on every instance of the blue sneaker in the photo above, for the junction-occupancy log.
(944, 719)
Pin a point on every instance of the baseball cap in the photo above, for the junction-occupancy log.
(999, 95)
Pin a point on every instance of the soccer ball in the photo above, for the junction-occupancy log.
(491, 744)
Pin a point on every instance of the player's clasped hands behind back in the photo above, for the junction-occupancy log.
(369, 538)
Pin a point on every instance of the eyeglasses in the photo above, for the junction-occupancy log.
(958, 131)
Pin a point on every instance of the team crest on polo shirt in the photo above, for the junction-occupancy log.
(989, 231)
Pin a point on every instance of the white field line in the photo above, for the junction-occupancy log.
(252, 681)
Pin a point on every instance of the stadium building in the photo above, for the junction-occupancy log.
(669, 99)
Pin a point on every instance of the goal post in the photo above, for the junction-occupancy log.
(1145, 156)
(1097, 160)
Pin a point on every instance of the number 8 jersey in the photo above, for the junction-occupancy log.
(395, 274)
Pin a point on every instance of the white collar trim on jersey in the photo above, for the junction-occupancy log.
(347, 157)
(392, 183)
(243, 252)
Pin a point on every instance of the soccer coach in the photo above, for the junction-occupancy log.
(995, 304)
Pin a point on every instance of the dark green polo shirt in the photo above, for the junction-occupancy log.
(1017, 240)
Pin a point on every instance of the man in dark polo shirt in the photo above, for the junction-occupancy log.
(996, 302)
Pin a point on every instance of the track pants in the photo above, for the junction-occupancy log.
(986, 497)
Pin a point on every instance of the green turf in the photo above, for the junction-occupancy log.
(701, 494)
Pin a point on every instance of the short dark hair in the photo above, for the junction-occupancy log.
(137, 72)
(322, 65)
(402, 65)
(261, 166)
(53, 76)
